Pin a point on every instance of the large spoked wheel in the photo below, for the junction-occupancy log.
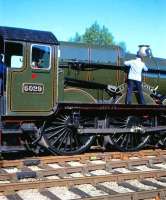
(160, 138)
(62, 135)
(131, 141)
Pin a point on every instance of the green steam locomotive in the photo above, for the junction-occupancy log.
(64, 97)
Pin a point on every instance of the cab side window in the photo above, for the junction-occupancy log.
(13, 55)
(40, 56)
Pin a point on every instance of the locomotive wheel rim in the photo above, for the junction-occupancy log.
(63, 138)
(131, 141)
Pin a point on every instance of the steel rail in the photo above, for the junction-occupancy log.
(83, 158)
(66, 169)
(71, 182)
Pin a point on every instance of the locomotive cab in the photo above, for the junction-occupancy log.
(29, 83)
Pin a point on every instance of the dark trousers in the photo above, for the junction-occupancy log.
(134, 85)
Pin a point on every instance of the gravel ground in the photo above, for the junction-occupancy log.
(161, 165)
(32, 194)
(75, 164)
(144, 168)
(52, 177)
(156, 181)
(151, 156)
(114, 186)
(134, 158)
(3, 198)
(91, 190)
(100, 172)
(35, 168)
(30, 180)
(121, 170)
(164, 178)
(76, 175)
(97, 162)
(137, 184)
(116, 159)
(2, 182)
(63, 193)
(12, 170)
(55, 165)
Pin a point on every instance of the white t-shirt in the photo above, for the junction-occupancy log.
(136, 67)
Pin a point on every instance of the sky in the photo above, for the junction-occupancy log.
(134, 22)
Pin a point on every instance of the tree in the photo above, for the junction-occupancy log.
(76, 38)
(122, 45)
(97, 35)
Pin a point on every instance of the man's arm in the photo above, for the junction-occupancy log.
(127, 63)
(145, 68)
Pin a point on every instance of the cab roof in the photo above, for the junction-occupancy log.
(27, 35)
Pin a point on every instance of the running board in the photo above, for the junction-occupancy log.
(111, 131)
(12, 131)
(9, 149)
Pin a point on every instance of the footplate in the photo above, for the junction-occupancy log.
(110, 131)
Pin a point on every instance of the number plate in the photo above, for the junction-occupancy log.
(34, 88)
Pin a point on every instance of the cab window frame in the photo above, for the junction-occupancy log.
(31, 61)
(5, 55)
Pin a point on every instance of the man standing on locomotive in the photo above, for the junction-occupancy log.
(135, 78)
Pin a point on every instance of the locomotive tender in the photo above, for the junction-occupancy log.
(64, 102)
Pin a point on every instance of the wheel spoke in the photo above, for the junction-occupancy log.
(76, 140)
(132, 140)
(119, 138)
(66, 139)
(56, 140)
(58, 123)
(70, 139)
(123, 141)
(62, 118)
(53, 129)
(62, 140)
(128, 140)
(56, 133)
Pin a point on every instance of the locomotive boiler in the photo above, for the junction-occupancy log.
(63, 97)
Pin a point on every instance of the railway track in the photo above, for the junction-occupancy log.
(139, 175)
